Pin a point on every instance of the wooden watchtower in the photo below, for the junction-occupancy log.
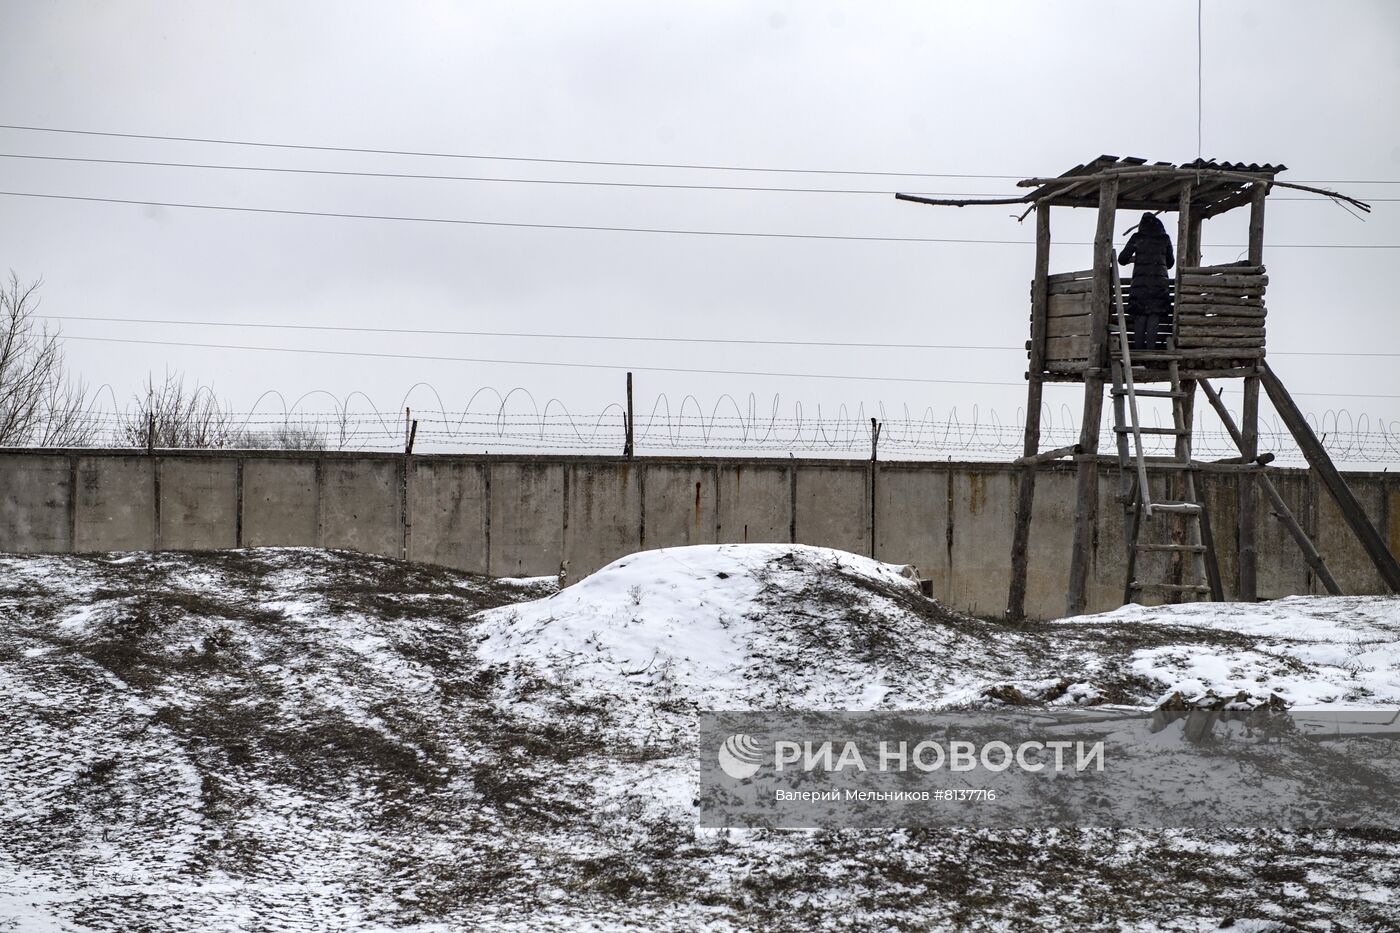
(1216, 331)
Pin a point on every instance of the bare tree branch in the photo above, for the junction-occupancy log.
(173, 416)
(40, 404)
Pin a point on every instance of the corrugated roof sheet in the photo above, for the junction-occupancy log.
(1157, 186)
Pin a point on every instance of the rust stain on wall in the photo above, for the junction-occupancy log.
(977, 492)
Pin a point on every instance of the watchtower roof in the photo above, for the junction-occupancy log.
(1216, 187)
(1155, 186)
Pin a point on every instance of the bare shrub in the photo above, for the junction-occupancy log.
(40, 404)
(170, 415)
(283, 437)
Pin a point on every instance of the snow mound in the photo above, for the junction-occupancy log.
(1332, 652)
(739, 625)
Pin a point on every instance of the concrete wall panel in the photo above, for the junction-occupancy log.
(1222, 500)
(279, 503)
(527, 518)
(911, 520)
(35, 496)
(115, 509)
(679, 505)
(361, 505)
(1346, 558)
(1052, 530)
(1282, 571)
(755, 503)
(604, 516)
(984, 509)
(198, 504)
(447, 504)
(833, 507)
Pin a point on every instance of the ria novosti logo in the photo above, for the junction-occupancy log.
(740, 756)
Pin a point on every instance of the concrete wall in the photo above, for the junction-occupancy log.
(115, 504)
(525, 528)
(447, 510)
(198, 504)
(36, 503)
(524, 515)
(280, 502)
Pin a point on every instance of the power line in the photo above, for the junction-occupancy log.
(484, 178)
(533, 181)
(607, 366)
(610, 229)
(502, 223)
(497, 158)
(841, 344)
(557, 161)
(487, 333)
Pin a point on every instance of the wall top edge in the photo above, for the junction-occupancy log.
(986, 466)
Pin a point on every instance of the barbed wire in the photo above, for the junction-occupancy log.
(490, 420)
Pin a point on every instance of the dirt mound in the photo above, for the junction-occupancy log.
(296, 739)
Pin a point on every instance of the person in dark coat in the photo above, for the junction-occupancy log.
(1149, 303)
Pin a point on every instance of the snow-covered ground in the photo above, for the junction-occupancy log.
(294, 739)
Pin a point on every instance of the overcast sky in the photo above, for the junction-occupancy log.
(995, 88)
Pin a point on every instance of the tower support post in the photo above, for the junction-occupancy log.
(1025, 491)
(1087, 473)
(1248, 509)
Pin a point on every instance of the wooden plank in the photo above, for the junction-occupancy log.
(1201, 309)
(1077, 325)
(1224, 280)
(1249, 316)
(1077, 287)
(1230, 343)
(1203, 298)
(1341, 493)
(1067, 348)
(1049, 455)
(1220, 270)
(1069, 305)
(1214, 323)
(1243, 353)
(1069, 276)
(1231, 291)
(1085, 286)
(1066, 370)
(1244, 369)
(1186, 329)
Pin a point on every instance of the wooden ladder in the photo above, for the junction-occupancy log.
(1195, 550)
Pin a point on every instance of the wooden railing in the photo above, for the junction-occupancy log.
(1221, 308)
